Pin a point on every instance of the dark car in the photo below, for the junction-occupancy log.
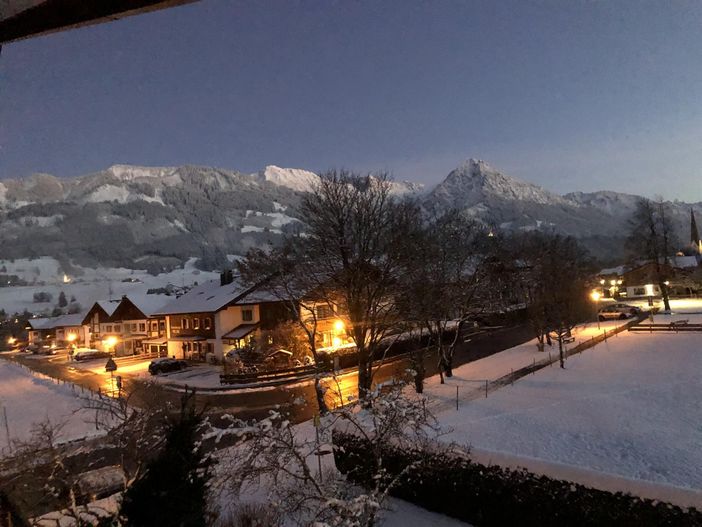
(166, 365)
(90, 354)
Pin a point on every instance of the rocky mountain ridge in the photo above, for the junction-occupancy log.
(158, 217)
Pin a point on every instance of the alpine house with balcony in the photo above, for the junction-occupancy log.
(216, 317)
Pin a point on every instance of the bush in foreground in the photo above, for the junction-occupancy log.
(450, 483)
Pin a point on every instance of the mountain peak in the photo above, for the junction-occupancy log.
(476, 182)
(292, 178)
(477, 165)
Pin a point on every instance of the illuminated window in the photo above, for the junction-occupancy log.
(207, 323)
(196, 323)
(186, 323)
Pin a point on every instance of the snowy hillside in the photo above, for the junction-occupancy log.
(156, 218)
(47, 277)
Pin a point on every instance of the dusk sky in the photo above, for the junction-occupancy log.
(568, 95)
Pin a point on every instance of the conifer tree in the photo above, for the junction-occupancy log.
(173, 488)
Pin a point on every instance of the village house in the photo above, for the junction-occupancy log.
(128, 326)
(681, 273)
(331, 329)
(99, 320)
(64, 330)
(217, 316)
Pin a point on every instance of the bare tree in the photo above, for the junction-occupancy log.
(651, 237)
(349, 258)
(442, 281)
(289, 274)
(553, 272)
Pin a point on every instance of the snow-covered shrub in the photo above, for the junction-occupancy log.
(449, 482)
(290, 466)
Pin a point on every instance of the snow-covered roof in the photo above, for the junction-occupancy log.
(149, 304)
(62, 321)
(108, 306)
(240, 331)
(257, 296)
(39, 323)
(619, 270)
(686, 261)
(205, 298)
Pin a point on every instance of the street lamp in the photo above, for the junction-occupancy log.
(595, 295)
(109, 343)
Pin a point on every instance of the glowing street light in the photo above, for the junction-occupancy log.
(110, 342)
(595, 295)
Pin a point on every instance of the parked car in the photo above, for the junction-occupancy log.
(617, 312)
(634, 310)
(31, 348)
(48, 350)
(90, 354)
(166, 365)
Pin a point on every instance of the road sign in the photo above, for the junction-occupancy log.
(111, 365)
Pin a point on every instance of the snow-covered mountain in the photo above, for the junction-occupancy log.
(477, 182)
(156, 218)
(292, 178)
(506, 202)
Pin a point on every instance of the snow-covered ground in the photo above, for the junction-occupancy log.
(45, 275)
(28, 398)
(631, 407)
(470, 378)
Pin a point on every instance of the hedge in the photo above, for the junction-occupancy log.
(483, 495)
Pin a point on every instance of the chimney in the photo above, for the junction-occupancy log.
(226, 277)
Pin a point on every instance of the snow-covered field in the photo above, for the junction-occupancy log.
(28, 398)
(631, 407)
(45, 275)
